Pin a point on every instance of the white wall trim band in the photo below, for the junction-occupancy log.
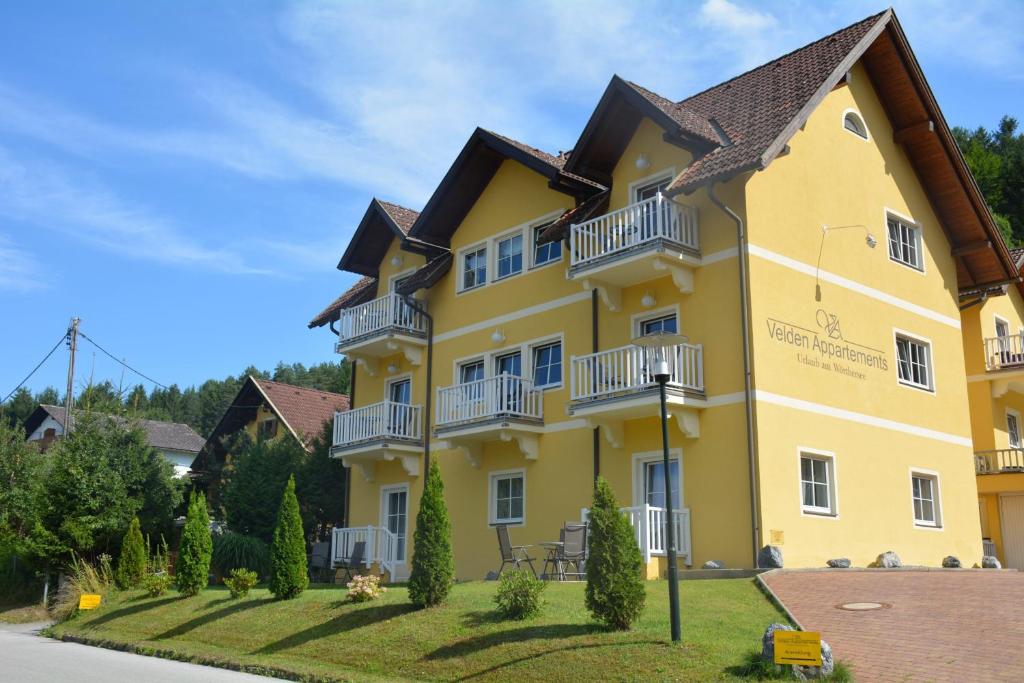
(853, 286)
(515, 315)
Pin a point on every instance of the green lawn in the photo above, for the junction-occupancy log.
(319, 635)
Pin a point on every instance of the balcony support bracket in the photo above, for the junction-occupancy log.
(682, 277)
(413, 354)
(368, 364)
(611, 429)
(610, 294)
(688, 421)
(529, 444)
(473, 452)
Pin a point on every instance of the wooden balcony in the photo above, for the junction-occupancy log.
(999, 461)
(380, 328)
(610, 387)
(502, 408)
(640, 242)
(379, 432)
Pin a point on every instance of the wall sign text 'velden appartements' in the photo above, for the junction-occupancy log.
(825, 348)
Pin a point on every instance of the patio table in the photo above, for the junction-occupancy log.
(552, 559)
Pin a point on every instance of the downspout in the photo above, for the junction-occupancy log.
(414, 305)
(748, 393)
(595, 348)
(348, 471)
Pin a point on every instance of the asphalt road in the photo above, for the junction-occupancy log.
(28, 658)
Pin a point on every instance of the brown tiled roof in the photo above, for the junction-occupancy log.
(757, 107)
(689, 120)
(304, 410)
(558, 161)
(163, 436)
(403, 217)
(361, 292)
(427, 275)
(592, 206)
(1017, 254)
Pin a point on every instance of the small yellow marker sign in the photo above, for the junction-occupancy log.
(89, 601)
(802, 648)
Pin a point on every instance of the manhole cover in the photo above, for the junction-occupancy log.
(861, 606)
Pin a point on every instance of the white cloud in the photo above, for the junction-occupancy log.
(19, 270)
(724, 15)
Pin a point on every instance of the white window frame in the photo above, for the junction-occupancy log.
(533, 347)
(471, 360)
(637, 320)
(492, 496)
(640, 461)
(935, 525)
(531, 231)
(523, 242)
(863, 124)
(996, 320)
(461, 267)
(657, 177)
(405, 376)
(1015, 415)
(526, 351)
(831, 512)
(916, 230)
(392, 279)
(383, 512)
(917, 339)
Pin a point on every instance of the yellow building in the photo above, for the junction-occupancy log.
(993, 330)
(808, 225)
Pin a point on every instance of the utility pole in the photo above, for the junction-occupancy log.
(69, 401)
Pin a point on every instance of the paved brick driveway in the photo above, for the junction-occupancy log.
(954, 625)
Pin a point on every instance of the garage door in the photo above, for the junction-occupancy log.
(1011, 513)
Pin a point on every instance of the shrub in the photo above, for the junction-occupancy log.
(238, 551)
(365, 588)
(83, 578)
(615, 585)
(433, 568)
(159, 562)
(240, 582)
(192, 570)
(288, 569)
(518, 595)
(156, 585)
(131, 565)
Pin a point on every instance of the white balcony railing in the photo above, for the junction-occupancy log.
(388, 312)
(501, 396)
(657, 218)
(625, 369)
(380, 421)
(1003, 460)
(1004, 352)
(380, 545)
(649, 523)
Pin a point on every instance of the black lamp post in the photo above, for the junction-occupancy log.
(657, 348)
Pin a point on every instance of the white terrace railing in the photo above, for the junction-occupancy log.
(1004, 352)
(380, 545)
(388, 312)
(1003, 460)
(657, 218)
(625, 369)
(379, 421)
(501, 396)
(651, 530)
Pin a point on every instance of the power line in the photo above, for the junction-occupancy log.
(118, 360)
(55, 347)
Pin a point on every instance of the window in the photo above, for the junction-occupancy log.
(400, 391)
(394, 511)
(913, 362)
(904, 243)
(666, 323)
(547, 365)
(474, 268)
(510, 363)
(545, 253)
(507, 497)
(654, 483)
(817, 487)
(1013, 428)
(925, 491)
(267, 429)
(855, 124)
(470, 372)
(510, 256)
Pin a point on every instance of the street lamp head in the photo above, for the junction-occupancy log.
(654, 346)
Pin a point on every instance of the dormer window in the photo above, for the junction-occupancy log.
(855, 124)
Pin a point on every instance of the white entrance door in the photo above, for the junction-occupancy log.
(394, 514)
(1011, 514)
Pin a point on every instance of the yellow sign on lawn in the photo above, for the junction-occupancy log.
(802, 648)
(89, 601)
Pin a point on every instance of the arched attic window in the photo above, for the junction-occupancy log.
(855, 124)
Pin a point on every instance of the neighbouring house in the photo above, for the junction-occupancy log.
(266, 410)
(177, 442)
(811, 228)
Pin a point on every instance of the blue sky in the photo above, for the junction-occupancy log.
(184, 175)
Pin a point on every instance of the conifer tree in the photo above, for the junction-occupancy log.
(433, 568)
(288, 569)
(615, 584)
(192, 569)
(131, 565)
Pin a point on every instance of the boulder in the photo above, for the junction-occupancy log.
(770, 557)
(951, 562)
(990, 562)
(491, 576)
(713, 564)
(888, 560)
(800, 673)
(839, 563)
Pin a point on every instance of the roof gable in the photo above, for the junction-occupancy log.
(381, 223)
(160, 434)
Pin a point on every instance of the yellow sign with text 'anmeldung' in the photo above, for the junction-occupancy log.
(89, 601)
(802, 648)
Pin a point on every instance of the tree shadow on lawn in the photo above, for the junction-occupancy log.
(349, 621)
(192, 624)
(134, 608)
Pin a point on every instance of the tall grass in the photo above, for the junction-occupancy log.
(82, 578)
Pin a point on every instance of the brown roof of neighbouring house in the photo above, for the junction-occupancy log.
(359, 293)
(304, 410)
(161, 435)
